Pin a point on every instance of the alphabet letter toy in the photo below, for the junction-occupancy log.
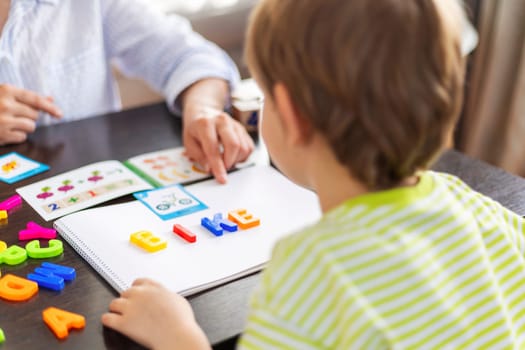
(13, 255)
(244, 219)
(11, 203)
(15, 288)
(212, 225)
(225, 223)
(46, 279)
(218, 224)
(61, 321)
(52, 276)
(184, 233)
(66, 272)
(147, 241)
(35, 231)
(34, 251)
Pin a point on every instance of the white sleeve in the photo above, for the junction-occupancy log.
(161, 49)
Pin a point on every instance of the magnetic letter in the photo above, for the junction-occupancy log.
(66, 272)
(46, 279)
(34, 251)
(244, 219)
(212, 226)
(13, 255)
(184, 233)
(147, 241)
(35, 231)
(15, 288)
(225, 223)
(61, 321)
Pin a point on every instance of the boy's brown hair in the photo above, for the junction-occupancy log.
(380, 79)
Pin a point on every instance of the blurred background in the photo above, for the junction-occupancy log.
(221, 21)
(492, 124)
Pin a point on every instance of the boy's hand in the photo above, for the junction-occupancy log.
(216, 141)
(155, 317)
(19, 110)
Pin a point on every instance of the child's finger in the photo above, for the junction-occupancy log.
(143, 281)
(112, 320)
(127, 293)
(118, 305)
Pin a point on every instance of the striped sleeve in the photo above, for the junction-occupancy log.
(268, 326)
(267, 331)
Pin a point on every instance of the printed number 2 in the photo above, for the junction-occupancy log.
(53, 206)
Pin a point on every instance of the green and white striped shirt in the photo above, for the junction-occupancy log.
(433, 266)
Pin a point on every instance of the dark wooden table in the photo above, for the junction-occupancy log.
(220, 311)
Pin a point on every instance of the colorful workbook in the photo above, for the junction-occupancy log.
(102, 236)
(81, 188)
(100, 182)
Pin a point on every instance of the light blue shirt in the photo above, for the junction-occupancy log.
(63, 49)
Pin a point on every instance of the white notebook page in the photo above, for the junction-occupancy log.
(101, 235)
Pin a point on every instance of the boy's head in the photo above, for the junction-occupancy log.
(380, 80)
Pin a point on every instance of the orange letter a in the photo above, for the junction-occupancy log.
(61, 321)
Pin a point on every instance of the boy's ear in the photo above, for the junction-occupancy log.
(297, 127)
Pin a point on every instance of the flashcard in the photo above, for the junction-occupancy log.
(167, 167)
(172, 166)
(170, 202)
(15, 167)
(81, 188)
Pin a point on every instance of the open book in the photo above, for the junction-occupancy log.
(102, 235)
(100, 182)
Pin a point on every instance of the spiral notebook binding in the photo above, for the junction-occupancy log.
(91, 257)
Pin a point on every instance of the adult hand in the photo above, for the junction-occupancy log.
(19, 110)
(216, 141)
(155, 317)
(211, 137)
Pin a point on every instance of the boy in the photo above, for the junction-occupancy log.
(361, 97)
(55, 66)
